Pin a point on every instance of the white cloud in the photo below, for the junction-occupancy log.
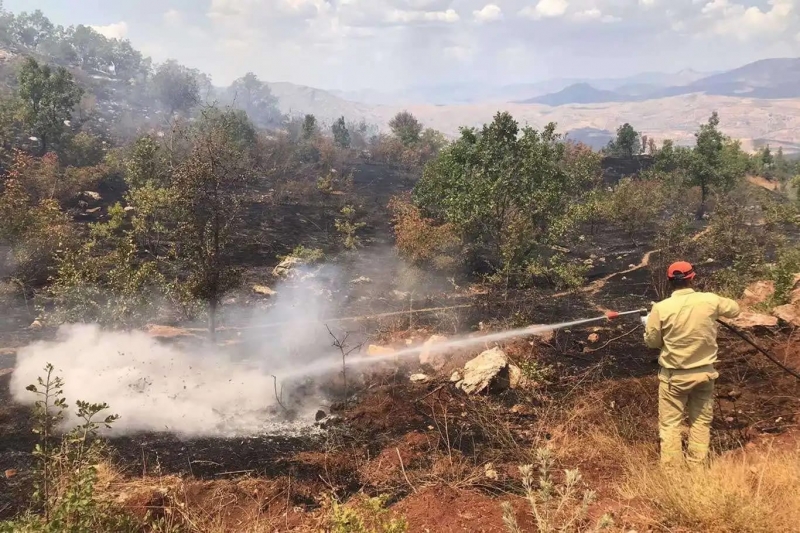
(406, 17)
(647, 3)
(489, 13)
(173, 17)
(744, 23)
(112, 31)
(546, 9)
(459, 53)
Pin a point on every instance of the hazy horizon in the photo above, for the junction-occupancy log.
(390, 45)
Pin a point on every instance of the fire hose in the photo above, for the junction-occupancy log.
(642, 312)
(766, 354)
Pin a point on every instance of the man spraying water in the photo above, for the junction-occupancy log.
(684, 328)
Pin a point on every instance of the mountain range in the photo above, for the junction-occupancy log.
(764, 79)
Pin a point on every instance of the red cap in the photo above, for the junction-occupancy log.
(681, 270)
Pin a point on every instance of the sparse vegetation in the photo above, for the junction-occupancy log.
(135, 195)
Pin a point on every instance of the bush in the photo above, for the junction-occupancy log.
(784, 274)
(364, 515)
(420, 240)
(66, 471)
(635, 205)
(348, 228)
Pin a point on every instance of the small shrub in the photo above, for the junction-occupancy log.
(366, 515)
(420, 240)
(66, 470)
(348, 228)
(784, 273)
(307, 255)
(556, 508)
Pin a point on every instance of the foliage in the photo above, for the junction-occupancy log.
(635, 205)
(784, 274)
(66, 471)
(420, 239)
(176, 87)
(105, 282)
(341, 135)
(406, 127)
(507, 192)
(208, 192)
(716, 161)
(310, 128)
(48, 97)
(627, 143)
(308, 256)
(255, 98)
(32, 230)
(348, 228)
(365, 515)
(555, 508)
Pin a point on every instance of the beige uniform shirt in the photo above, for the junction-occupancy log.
(684, 327)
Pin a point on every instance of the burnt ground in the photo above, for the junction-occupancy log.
(426, 444)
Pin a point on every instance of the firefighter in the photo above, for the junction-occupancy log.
(684, 328)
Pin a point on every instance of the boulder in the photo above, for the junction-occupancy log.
(750, 320)
(432, 355)
(594, 338)
(794, 296)
(287, 266)
(419, 378)
(758, 292)
(455, 377)
(263, 290)
(92, 195)
(789, 313)
(488, 372)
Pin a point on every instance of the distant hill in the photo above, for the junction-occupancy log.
(765, 79)
(579, 93)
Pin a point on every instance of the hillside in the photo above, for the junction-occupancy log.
(579, 93)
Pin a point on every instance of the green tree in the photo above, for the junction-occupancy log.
(341, 135)
(628, 142)
(716, 161)
(31, 29)
(209, 190)
(176, 87)
(48, 97)
(508, 192)
(256, 99)
(406, 127)
(309, 126)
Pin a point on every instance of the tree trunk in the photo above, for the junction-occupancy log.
(701, 211)
(212, 319)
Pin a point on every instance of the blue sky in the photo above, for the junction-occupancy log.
(386, 44)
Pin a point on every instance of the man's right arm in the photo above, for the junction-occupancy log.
(652, 330)
(727, 308)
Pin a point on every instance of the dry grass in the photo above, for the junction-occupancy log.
(747, 492)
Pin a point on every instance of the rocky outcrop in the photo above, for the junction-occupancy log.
(789, 313)
(750, 320)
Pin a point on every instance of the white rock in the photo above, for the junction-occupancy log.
(487, 372)
(419, 378)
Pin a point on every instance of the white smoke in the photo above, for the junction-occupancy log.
(200, 390)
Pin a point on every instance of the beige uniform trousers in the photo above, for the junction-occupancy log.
(686, 394)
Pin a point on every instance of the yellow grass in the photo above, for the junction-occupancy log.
(747, 492)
